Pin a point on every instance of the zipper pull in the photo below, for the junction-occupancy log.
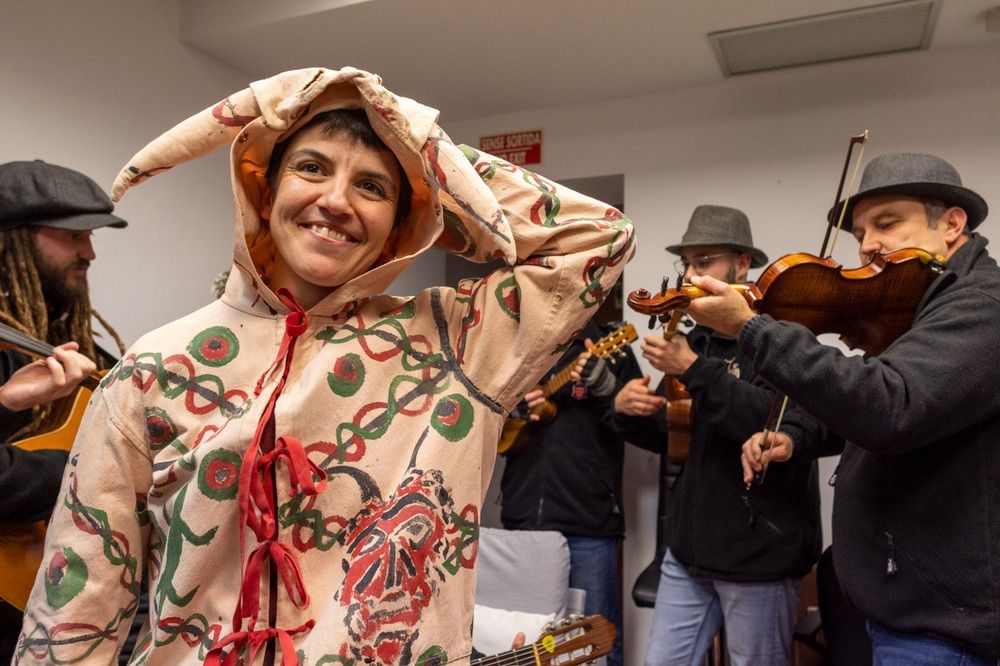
(751, 518)
(890, 563)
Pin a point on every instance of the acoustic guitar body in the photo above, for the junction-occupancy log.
(21, 545)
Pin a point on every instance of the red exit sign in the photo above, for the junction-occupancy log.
(517, 147)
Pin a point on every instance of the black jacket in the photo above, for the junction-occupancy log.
(29, 480)
(567, 478)
(916, 520)
(715, 527)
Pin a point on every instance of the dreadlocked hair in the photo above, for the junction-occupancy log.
(22, 306)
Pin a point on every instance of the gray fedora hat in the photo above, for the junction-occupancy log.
(720, 225)
(40, 194)
(916, 175)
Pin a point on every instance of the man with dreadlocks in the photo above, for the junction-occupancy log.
(47, 216)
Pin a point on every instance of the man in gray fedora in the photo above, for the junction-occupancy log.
(734, 556)
(916, 520)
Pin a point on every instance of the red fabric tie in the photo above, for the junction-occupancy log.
(254, 641)
(304, 477)
(258, 497)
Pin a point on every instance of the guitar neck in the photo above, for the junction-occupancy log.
(559, 380)
(24, 343)
(524, 656)
(11, 337)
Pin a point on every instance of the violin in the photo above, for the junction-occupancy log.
(869, 307)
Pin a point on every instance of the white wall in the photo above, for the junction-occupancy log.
(773, 145)
(86, 85)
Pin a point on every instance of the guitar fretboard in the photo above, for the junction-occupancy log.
(12, 337)
(520, 657)
(23, 342)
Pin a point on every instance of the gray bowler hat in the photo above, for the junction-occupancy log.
(916, 175)
(720, 225)
(40, 194)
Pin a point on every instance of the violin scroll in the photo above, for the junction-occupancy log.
(665, 301)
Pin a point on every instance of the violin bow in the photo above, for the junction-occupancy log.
(837, 211)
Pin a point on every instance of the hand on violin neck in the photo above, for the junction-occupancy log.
(671, 357)
(723, 309)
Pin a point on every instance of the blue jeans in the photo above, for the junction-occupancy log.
(892, 648)
(593, 565)
(759, 619)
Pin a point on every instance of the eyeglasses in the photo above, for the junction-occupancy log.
(702, 263)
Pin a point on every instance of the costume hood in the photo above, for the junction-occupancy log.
(451, 207)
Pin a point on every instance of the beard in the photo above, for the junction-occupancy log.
(61, 288)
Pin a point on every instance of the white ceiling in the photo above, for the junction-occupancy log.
(476, 58)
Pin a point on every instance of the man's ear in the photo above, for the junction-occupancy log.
(743, 261)
(955, 220)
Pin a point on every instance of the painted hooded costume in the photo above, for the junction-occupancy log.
(312, 480)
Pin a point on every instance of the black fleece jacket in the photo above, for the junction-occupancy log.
(715, 527)
(916, 520)
(567, 478)
(29, 480)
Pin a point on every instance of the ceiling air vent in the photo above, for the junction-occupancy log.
(865, 31)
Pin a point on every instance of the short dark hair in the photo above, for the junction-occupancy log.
(934, 208)
(353, 122)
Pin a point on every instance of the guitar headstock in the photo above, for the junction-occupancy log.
(615, 341)
(575, 641)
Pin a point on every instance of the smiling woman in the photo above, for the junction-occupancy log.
(330, 213)
(362, 425)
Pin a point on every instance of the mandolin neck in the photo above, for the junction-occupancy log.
(557, 381)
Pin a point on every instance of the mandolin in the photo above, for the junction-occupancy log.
(570, 642)
(21, 543)
(517, 432)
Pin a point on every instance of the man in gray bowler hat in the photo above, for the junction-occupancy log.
(916, 519)
(734, 557)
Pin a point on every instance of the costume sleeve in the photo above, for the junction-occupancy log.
(934, 381)
(87, 588)
(570, 250)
